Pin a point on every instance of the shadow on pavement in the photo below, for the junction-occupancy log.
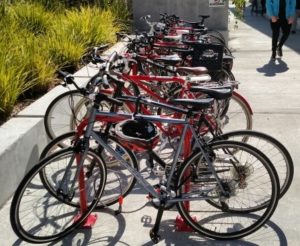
(171, 237)
(273, 67)
(98, 235)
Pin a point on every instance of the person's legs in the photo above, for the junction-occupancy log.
(254, 6)
(263, 7)
(286, 28)
(275, 26)
(294, 25)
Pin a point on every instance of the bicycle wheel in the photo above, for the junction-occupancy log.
(222, 75)
(60, 115)
(273, 149)
(237, 116)
(39, 217)
(250, 180)
(119, 181)
(217, 34)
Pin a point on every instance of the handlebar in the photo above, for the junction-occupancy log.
(69, 79)
(108, 65)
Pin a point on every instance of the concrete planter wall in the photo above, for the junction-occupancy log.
(186, 9)
(23, 138)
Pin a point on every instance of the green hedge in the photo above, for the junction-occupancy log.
(37, 37)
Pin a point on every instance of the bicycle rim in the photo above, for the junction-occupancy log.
(238, 116)
(228, 222)
(39, 217)
(119, 181)
(273, 149)
(60, 114)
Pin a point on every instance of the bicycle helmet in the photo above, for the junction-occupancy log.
(138, 135)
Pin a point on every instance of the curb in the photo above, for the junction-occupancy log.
(23, 137)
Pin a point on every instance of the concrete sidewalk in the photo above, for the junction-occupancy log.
(273, 90)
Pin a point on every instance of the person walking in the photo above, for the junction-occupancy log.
(282, 13)
(297, 14)
(254, 7)
(263, 7)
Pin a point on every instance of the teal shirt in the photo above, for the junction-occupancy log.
(273, 8)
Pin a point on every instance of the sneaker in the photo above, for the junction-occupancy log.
(273, 57)
(279, 51)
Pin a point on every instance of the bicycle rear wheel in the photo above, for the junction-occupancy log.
(273, 149)
(250, 180)
(222, 75)
(39, 215)
(119, 181)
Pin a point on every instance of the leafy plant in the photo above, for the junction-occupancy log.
(33, 17)
(121, 10)
(239, 8)
(38, 36)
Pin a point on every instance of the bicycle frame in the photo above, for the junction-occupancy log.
(183, 92)
(140, 179)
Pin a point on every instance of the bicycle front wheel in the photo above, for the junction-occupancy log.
(248, 177)
(40, 215)
(63, 113)
(119, 181)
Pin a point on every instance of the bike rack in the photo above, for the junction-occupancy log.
(180, 224)
(92, 218)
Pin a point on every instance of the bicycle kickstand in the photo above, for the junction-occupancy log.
(155, 237)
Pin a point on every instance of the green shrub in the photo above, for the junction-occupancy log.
(12, 82)
(121, 11)
(38, 63)
(35, 42)
(76, 30)
(32, 17)
(89, 25)
(53, 5)
(24, 65)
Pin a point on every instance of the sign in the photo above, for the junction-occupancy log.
(216, 3)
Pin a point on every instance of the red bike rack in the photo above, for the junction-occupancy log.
(180, 224)
(92, 218)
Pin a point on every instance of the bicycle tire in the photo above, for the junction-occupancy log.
(238, 112)
(212, 217)
(119, 181)
(60, 116)
(222, 75)
(66, 111)
(217, 34)
(37, 216)
(277, 153)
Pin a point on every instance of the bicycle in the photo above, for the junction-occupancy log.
(210, 173)
(64, 112)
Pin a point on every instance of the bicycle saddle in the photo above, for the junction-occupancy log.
(197, 104)
(221, 93)
(169, 59)
(192, 70)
